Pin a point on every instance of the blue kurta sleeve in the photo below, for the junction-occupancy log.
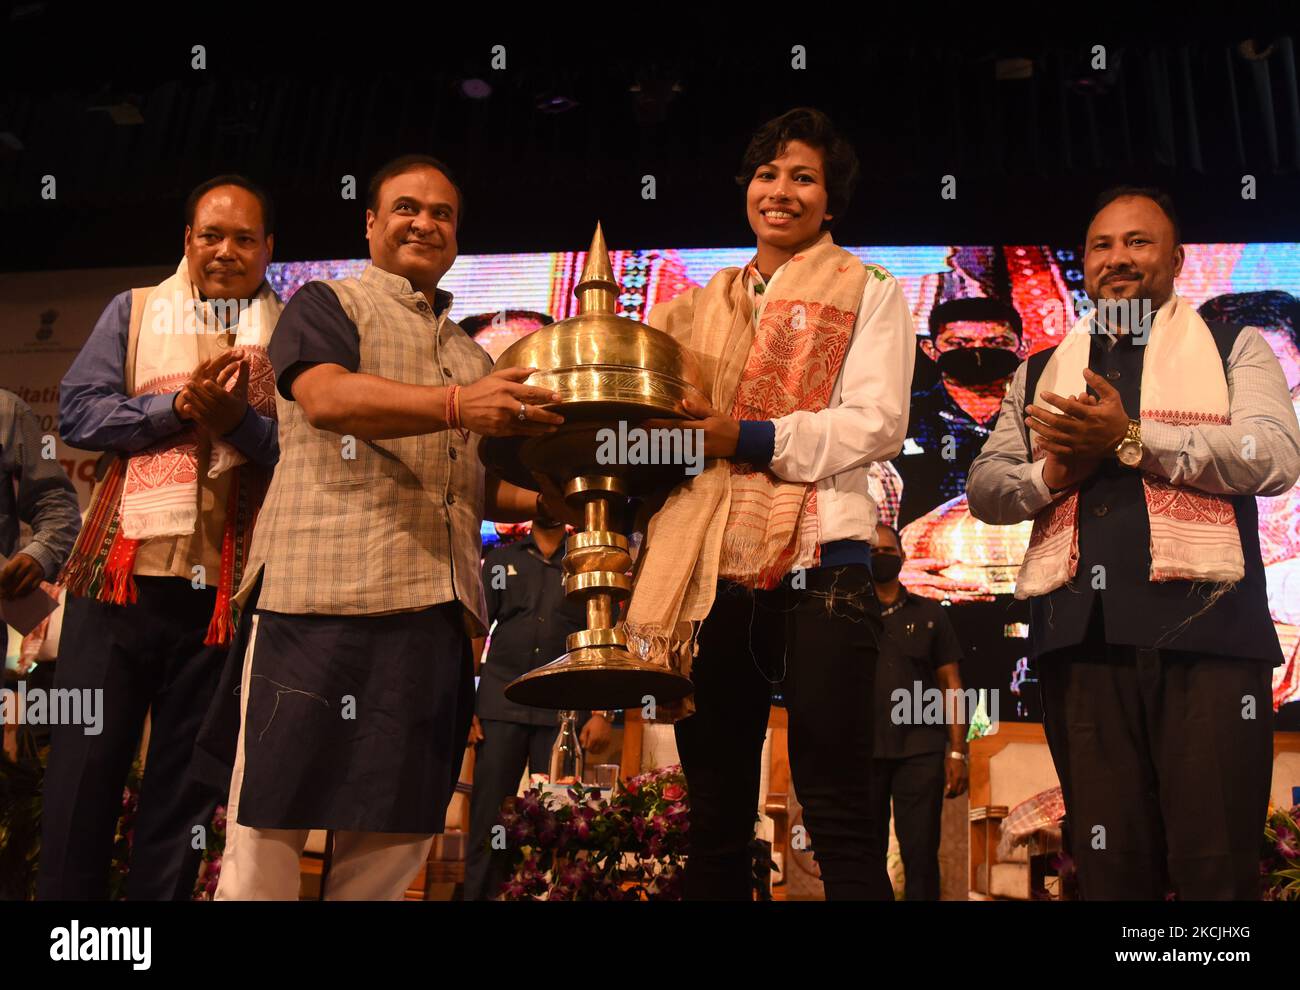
(95, 413)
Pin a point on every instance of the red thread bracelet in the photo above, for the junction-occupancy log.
(453, 412)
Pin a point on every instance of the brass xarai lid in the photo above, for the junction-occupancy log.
(607, 369)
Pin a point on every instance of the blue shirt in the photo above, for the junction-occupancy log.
(95, 413)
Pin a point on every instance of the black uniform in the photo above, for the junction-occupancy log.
(909, 757)
(525, 598)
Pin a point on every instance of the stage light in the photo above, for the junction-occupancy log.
(124, 114)
(554, 103)
(1081, 77)
(475, 89)
(1005, 69)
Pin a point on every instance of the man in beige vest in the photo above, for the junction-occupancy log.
(358, 687)
(175, 386)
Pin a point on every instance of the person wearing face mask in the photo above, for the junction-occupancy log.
(175, 386)
(976, 345)
(357, 679)
(757, 570)
(916, 765)
(1137, 446)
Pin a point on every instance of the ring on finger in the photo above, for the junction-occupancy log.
(523, 411)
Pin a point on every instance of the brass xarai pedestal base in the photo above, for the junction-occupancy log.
(598, 678)
(598, 671)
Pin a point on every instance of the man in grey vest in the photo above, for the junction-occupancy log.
(357, 685)
(1137, 445)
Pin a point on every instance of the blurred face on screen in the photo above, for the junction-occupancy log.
(786, 199)
(974, 352)
(412, 232)
(1130, 253)
(226, 247)
(1282, 340)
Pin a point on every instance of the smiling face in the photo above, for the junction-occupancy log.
(226, 247)
(786, 199)
(412, 231)
(1131, 253)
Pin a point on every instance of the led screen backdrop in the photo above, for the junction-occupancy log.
(953, 557)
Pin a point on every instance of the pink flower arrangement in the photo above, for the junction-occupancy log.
(1279, 866)
(124, 838)
(630, 847)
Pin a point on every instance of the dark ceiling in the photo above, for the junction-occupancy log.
(1028, 128)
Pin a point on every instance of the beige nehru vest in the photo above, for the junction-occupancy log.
(367, 527)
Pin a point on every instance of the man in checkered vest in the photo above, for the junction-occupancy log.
(358, 686)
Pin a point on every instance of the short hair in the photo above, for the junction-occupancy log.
(231, 179)
(1157, 196)
(409, 163)
(1266, 308)
(472, 325)
(976, 309)
(898, 537)
(814, 129)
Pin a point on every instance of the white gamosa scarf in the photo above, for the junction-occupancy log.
(1193, 533)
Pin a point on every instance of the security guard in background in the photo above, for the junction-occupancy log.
(524, 585)
(915, 765)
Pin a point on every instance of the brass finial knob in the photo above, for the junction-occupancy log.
(596, 290)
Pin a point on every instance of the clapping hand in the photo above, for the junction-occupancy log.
(1087, 429)
(1067, 439)
(216, 395)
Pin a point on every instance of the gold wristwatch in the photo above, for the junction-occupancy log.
(1129, 450)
